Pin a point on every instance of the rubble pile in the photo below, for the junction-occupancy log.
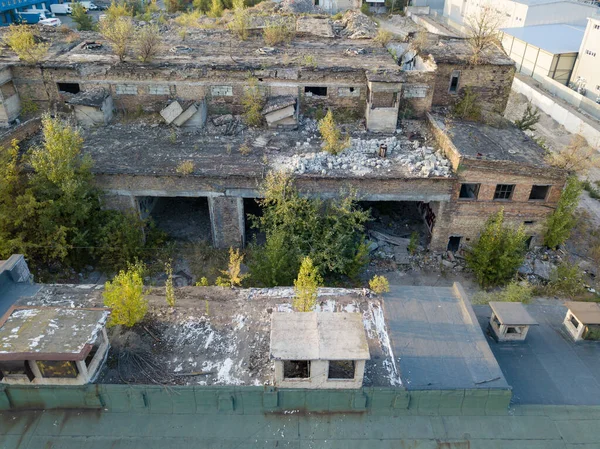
(299, 7)
(358, 26)
(363, 157)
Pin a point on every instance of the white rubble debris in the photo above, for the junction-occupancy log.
(362, 157)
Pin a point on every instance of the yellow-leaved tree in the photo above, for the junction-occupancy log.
(126, 296)
(25, 43)
(307, 286)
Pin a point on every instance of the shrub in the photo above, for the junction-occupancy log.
(120, 240)
(169, 290)
(232, 277)
(125, 295)
(498, 253)
(332, 136)
(203, 282)
(185, 168)
(22, 40)
(240, 22)
(148, 42)
(560, 224)
(253, 102)
(468, 107)
(189, 19)
(530, 117)
(278, 32)
(81, 18)
(306, 286)
(309, 61)
(383, 37)
(216, 9)
(116, 10)
(516, 292)
(379, 285)
(566, 280)
(119, 32)
(577, 157)
(202, 5)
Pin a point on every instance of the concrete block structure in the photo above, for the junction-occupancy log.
(581, 317)
(318, 350)
(52, 345)
(510, 321)
(92, 108)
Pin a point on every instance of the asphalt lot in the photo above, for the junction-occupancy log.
(68, 20)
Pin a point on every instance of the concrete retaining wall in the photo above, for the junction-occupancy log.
(573, 121)
(255, 400)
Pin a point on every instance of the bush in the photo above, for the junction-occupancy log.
(233, 277)
(379, 285)
(330, 232)
(332, 136)
(566, 280)
(278, 32)
(307, 286)
(514, 291)
(148, 42)
(119, 32)
(498, 253)
(125, 295)
(239, 24)
(216, 9)
(116, 10)
(120, 240)
(253, 103)
(560, 224)
(383, 37)
(530, 117)
(185, 168)
(468, 107)
(203, 282)
(22, 40)
(189, 19)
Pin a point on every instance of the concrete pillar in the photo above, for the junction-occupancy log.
(441, 228)
(227, 221)
(123, 203)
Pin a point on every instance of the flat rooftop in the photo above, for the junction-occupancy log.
(554, 38)
(324, 336)
(475, 140)
(150, 147)
(436, 337)
(548, 367)
(451, 50)
(49, 333)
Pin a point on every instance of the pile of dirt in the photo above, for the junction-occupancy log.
(358, 26)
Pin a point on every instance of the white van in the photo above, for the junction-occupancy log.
(61, 8)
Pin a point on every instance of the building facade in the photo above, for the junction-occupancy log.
(10, 9)
(587, 67)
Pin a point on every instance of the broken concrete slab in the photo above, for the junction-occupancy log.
(391, 239)
(542, 269)
(401, 255)
(171, 112)
(185, 115)
(280, 114)
(288, 122)
(279, 102)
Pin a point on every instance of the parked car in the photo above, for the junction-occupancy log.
(89, 6)
(51, 22)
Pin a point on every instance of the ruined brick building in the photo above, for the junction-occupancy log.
(454, 173)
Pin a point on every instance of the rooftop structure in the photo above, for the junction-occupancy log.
(46, 345)
(318, 350)
(582, 320)
(510, 321)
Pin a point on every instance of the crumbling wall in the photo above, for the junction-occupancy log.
(491, 84)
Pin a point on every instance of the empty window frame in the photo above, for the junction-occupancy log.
(15, 369)
(504, 191)
(315, 91)
(539, 193)
(454, 78)
(469, 191)
(454, 243)
(70, 88)
(341, 370)
(62, 369)
(296, 369)
(528, 222)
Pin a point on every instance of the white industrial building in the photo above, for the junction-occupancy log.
(586, 73)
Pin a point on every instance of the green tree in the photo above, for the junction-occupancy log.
(498, 253)
(331, 135)
(232, 277)
(239, 24)
(81, 18)
(530, 117)
(119, 32)
(330, 232)
(306, 286)
(566, 280)
(119, 239)
(562, 220)
(125, 295)
(118, 9)
(26, 44)
(203, 5)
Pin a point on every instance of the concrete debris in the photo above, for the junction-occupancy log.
(266, 51)
(185, 115)
(542, 268)
(171, 112)
(279, 110)
(358, 26)
(222, 119)
(362, 157)
(299, 6)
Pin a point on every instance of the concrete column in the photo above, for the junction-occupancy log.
(227, 221)
(123, 203)
(441, 228)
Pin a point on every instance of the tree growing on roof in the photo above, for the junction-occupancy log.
(148, 42)
(331, 135)
(253, 102)
(560, 224)
(119, 32)
(306, 286)
(81, 18)
(26, 44)
(233, 277)
(126, 296)
(241, 20)
(498, 253)
(216, 9)
(483, 30)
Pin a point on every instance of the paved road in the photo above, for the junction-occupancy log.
(68, 20)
